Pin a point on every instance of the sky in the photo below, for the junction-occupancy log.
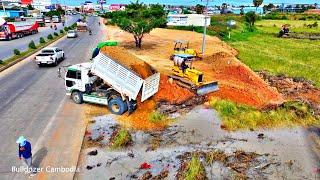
(192, 2)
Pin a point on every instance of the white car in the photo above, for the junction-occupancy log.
(47, 20)
(50, 55)
(72, 34)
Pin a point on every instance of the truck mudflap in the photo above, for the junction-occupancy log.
(150, 86)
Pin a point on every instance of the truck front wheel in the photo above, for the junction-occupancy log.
(117, 106)
(77, 97)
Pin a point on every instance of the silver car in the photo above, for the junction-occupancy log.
(72, 34)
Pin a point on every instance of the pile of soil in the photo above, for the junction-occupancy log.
(240, 84)
(169, 91)
(296, 89)
(172, 93)
(119, 54)
(236, 81)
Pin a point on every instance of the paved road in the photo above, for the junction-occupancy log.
(7, 47)
(30, 96)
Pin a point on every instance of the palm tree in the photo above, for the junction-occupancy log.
(257, 3)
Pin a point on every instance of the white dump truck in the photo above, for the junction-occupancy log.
(105, 81)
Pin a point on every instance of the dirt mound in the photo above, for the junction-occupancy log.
(130, 61)
(218, 57)
(237, 82)
(170, 92)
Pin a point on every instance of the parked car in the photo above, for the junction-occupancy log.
(47, 20)
(72, 34)
(50, 55)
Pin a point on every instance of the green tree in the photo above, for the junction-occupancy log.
(199, 9)
(257, 3)
(241, 10)
(30, 7)
(139, 19)
(251, 18)
(32, 45)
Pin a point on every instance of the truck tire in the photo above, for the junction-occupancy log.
(77, 97)
(117, 106)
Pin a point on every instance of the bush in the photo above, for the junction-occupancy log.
(50, 36)
(16, 52)
(156, 117)
(251, 18)
(32, 45)
(42, 40)
(56, 34)
(122, 138)
(66, 28)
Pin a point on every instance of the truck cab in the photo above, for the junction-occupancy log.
(83, 86)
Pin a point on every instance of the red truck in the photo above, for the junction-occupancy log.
(10, 30)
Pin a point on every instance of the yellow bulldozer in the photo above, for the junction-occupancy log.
(182, 47)
(187, 76)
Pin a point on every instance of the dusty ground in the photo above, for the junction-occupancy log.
(276, 154)
(236, 81)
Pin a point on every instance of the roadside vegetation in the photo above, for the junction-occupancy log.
(193, 169)
(120, 139)
(157, 117)
(290, 114)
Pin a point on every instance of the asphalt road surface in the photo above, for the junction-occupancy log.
(30, 96)
(7, 47)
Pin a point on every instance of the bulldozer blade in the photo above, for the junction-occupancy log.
(207, 88)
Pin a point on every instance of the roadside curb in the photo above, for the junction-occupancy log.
(30, 54)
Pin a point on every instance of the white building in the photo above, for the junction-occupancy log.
(42, 4)
(187, 20)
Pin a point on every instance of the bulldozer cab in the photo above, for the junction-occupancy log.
(180, 46)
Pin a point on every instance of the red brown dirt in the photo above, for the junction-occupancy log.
(169, 92)
(236, 81)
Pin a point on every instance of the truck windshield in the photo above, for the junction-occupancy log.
(74, 74)
(2, 28)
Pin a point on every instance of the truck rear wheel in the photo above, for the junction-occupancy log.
(117, 106)
(77, 97)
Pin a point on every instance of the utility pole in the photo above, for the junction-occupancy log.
(204, 29)
(4, 9)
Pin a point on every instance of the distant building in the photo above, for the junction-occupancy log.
(44, 5)
(12, 13)
(117, 7)
(237, 10)
(187, 20)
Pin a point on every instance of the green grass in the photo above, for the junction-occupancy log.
(195, 169)
(235, 116)
(262, 50)
(156, 117)
(121, 139)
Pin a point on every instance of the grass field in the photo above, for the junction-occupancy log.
(262, 50)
